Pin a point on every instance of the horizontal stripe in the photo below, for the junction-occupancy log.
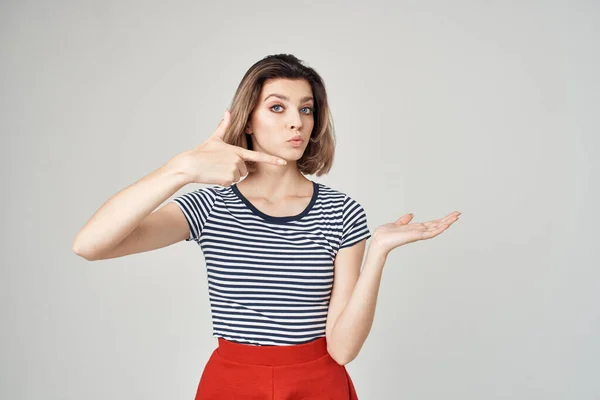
(270, 278)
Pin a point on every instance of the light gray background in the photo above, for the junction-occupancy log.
(489, 108)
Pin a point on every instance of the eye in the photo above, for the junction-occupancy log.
(279, 105)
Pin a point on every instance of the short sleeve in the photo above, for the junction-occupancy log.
(354, 225)
(196, 206)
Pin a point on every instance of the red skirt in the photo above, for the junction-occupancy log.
(304, 371)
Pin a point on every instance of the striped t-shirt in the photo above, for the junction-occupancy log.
(270, 278)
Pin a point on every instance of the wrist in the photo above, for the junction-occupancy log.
(377, 251)
(178, 167)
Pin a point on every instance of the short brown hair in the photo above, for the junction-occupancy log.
(319, 153)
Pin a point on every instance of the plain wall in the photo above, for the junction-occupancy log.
(489, 108)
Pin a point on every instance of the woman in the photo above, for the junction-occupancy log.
(273, 242)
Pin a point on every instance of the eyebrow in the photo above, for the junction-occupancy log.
(282, 97)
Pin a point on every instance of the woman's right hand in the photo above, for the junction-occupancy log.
(217, 162)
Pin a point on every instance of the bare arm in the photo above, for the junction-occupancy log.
(349, 332)
(352, 326)
(126, 223)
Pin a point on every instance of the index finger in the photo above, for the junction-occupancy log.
(251, 155)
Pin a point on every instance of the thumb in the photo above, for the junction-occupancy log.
(220, 131)
(405, 219)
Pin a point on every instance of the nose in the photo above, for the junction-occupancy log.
(294, 120)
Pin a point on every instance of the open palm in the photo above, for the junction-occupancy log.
(400, 232)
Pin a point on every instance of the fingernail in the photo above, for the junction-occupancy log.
(282, 162)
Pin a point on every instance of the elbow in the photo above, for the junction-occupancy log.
(340, 357)
(342, 360)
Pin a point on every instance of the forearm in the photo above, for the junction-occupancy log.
(354, 323)
(123, 212)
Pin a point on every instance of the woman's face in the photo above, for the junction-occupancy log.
(284, 110)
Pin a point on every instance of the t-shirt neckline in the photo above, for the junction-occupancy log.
(271, 218)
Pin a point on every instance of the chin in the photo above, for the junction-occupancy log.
(294, 157)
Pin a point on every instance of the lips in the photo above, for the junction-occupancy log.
(296, 139)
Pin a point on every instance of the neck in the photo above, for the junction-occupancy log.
(276, 185)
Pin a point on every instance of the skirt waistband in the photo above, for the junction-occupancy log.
(272, 355)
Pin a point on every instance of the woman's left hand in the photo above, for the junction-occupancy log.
(389, 236)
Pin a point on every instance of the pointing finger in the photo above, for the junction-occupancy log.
(251, 155)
